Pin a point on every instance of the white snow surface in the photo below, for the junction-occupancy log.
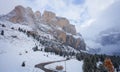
(12, 52)
(13, 47)
(71, 65)
(98, 64)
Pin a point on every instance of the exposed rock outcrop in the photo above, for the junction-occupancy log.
(76, 43)
(18, 14)
(65, 25)
(69, 39)
(48, 16)
(21, 15)
(70, 29)
(62, 22)
(61, 36)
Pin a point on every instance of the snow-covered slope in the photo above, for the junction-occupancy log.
(16, 47)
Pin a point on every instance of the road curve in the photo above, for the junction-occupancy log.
(42, 65)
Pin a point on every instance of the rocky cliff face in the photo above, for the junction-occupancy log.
(21, 15)
(51, 18)
(57, 26)
(61, 36)
(77, 43)
(48, 17)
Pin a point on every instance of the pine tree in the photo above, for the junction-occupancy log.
(2, 32)
(23, 64)
(87, 65)
(3, 25)
(19, 29)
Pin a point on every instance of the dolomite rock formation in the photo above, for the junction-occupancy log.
(77, 43)
(61, 36)
(21, 14)
(48, 16)
(51, 19)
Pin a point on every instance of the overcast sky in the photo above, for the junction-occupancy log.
(81, 12)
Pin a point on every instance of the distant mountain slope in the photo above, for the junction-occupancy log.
(106, 30)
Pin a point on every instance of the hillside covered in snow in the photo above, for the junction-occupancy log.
(28, 39)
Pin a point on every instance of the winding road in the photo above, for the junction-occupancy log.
(42, 65)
